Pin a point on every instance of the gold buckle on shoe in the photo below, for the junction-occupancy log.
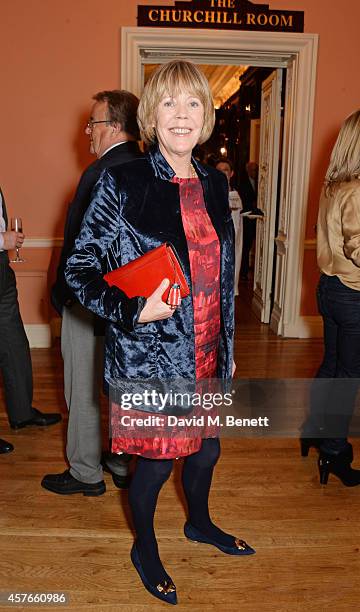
(240, 544)
(166, 587)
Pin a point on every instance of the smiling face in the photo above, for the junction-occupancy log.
(179, 121)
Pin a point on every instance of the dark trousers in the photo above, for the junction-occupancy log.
(15, 359)
(249, 233)
(335, 388)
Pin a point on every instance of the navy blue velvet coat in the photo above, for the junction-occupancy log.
(135, 208)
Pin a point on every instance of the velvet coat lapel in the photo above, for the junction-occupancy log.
(136, 208)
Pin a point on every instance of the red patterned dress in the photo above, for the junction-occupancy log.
(204, 255)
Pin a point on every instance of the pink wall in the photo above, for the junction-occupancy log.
(337, 95)
(55, 55)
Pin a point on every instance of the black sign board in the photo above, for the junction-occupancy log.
(221, 15)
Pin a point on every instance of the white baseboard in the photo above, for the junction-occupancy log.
(39, 335)
(306, 327)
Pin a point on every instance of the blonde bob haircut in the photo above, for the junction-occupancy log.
(345, 157)
(168, 80)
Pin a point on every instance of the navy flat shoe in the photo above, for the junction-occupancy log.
(166, 590)
(240, 547)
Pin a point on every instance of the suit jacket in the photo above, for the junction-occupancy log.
(4, 213)
(135, 208)
(247, 193)
(61, 294)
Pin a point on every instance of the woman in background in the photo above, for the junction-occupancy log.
(338, 293)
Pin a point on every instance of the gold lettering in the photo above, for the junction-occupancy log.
(222, 4)
(287, 20)
(155, 13)
(274, 20)
(187, 16)
(262, 19)
(209, 17)
(220, 17)
(237, 19)
(175, 14)
(164, 15)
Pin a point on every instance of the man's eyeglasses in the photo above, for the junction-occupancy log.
(90, 124)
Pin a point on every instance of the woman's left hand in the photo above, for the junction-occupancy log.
(233, 368)
(155, 309)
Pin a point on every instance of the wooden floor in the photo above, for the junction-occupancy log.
(306, 536)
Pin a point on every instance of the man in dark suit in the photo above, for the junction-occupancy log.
(248, 194)
(113, 131)
(15, 359)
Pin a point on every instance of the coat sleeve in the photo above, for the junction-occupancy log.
(84, 274)
(350, 218)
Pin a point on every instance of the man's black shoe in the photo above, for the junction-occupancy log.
(111, 462)
(121, 482)
(5, 447)
(41, 419)
(65, 484)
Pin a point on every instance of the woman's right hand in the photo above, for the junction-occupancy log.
(155, 309)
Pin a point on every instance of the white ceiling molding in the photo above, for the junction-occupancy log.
(224, 81)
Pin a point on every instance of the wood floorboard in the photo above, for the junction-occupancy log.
(307, 537)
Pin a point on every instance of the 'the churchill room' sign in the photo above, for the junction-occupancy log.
(221, 14)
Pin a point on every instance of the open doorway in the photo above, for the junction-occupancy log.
(249, 107)
(249, 131)
(295, 52)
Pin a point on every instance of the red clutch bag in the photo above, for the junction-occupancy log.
(144, 274)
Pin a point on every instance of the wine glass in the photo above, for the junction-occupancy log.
(16, 226)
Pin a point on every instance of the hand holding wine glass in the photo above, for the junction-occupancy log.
(16, 226)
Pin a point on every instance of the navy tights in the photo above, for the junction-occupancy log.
(149, 477)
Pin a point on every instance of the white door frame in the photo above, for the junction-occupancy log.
(299, 51)
(270, 123)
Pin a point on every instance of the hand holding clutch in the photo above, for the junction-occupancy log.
(155, 308)
(141, 277)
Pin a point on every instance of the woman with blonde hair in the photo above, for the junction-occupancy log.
(167, 196)
(338, 294)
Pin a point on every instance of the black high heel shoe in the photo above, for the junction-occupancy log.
(307, 443)
(165, 590)
(340, 465)
(240, 547)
